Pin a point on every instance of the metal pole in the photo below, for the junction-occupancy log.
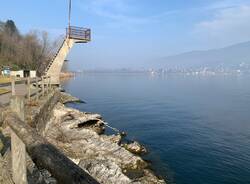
(69, 13)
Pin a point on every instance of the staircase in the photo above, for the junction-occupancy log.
(74, 35)
(50, 63)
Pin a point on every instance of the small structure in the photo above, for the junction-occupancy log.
(23, 73)
(74, 35)
(5, 70)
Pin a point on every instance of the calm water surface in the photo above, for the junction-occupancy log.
(196, 128)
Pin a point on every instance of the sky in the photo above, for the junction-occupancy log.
(131, 33)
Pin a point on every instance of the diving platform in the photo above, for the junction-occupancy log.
(83, 35)
(74, 35)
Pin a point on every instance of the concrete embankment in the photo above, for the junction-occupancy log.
(81, 137)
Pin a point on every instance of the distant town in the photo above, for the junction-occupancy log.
(242, 68)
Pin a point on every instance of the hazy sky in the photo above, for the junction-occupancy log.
(128, 33)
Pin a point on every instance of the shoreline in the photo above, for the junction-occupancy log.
(81, 137)
(121, 160)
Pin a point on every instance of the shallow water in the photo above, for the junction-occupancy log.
(196, 128)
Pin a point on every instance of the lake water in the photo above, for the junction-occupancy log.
(197, 128)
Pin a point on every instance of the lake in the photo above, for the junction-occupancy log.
(197, 128)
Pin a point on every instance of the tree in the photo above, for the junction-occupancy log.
(10, 28)
(31, 51)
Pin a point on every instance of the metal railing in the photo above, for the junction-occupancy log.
(79, 33)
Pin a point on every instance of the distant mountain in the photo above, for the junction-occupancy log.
(228, 56)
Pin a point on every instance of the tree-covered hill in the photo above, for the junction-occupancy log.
(24, 51)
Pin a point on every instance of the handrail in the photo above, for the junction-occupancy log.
(79, 33)
(51, 61)
(43, 85)
(44, 155)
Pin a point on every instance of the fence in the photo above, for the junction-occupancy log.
(42, 86)
(25, 139)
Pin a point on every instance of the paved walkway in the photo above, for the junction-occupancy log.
(21, 90)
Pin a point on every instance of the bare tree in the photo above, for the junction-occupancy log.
(30, 51)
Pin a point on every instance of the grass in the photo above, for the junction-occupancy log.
(3, 91)
(4, 79)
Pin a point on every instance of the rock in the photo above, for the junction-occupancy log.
(1, 146)
(5, 171)
(104, 170)
(62, 90)
(115, 139)
(135, 148)
(99, 127)
(133, 173)
(123, 134)
(67, 98)
(107, 172)
(78, 120)
(75, 134)
(2, 112)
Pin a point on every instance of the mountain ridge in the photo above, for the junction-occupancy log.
(227, 56)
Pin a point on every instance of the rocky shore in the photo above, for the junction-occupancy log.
(81, 136)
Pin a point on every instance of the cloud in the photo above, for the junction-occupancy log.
(121, 14)
(114, 13)
(228, 25)
(225, 4)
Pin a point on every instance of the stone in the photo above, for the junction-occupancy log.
(1, 146)
(5, 171)
(74, 133)
(116, 139)
(67, 98)
(135, 148)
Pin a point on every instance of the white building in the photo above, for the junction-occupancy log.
(23, 73)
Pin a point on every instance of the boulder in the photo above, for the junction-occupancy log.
(74, 133)
(135, 148)
(67, 98)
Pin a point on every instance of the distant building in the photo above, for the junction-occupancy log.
(23, 73)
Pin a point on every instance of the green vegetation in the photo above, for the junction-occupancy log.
(30, 51)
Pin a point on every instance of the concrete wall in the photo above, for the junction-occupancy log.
(43, 113)
(32, 74)
(57, 64)
(20, 73)
(17, 73)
